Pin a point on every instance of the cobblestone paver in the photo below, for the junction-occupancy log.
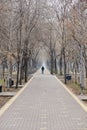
(44, 105)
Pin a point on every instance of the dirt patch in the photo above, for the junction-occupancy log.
(85, 102)
(12, 89)
(3, 100)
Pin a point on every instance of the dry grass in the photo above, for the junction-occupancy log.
(3, 100)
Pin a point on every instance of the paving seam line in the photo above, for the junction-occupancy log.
(8, 104)
(73, 95)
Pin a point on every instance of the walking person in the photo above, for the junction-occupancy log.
(42, 68)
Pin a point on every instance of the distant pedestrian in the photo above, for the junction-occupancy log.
(42, 68)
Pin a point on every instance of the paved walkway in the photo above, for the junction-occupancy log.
(44, 105)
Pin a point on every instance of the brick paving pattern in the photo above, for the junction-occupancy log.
(44, 105)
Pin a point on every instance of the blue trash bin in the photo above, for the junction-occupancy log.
(68, 76)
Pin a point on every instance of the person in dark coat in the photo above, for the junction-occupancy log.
(42, 68)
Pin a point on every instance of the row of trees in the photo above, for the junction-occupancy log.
(18, 39)
(64, 34)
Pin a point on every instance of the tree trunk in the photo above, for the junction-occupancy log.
(86, 66)
(21, 72)
(3, 71)
(64, 65)
(26, 70)
(55, 66)
(75, 73)
(10, 68)
(52, 64)
(86, 71)
(60, 65)
(20, 81)
(17, 80)
(82, 66)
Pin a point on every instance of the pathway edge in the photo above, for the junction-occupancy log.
(8, 104)
(73, 95)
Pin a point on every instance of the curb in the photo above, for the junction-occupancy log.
(8, 104)
(73, 95)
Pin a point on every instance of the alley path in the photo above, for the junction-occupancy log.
(44, 105)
